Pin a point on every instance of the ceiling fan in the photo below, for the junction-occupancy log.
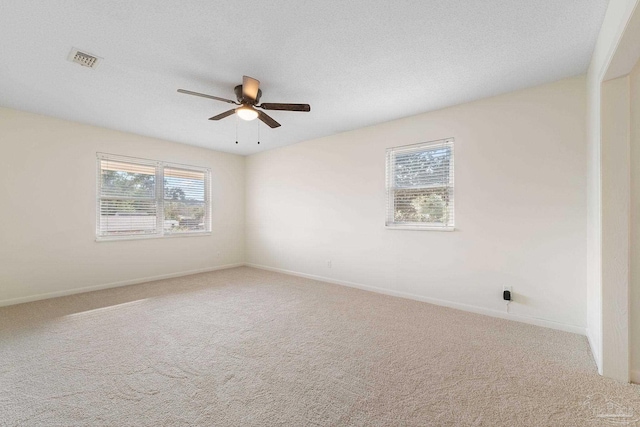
(248, 96)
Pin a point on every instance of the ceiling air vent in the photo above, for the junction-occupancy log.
(83, 58)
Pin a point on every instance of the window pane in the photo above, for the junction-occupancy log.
(183, 185)
(119, 179)
(184, 200)
(430, 205)
(423, 168)
(184, 216)
(118, 217)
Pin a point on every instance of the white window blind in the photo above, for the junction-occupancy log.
(184, 200)
(420, 184)
(147, 198)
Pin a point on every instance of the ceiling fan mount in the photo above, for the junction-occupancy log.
(248, 96)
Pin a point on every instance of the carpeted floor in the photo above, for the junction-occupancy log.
(245, 347)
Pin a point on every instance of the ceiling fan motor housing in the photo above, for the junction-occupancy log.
(238, 92)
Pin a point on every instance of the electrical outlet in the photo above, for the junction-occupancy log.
(506, 289)
(329, 263)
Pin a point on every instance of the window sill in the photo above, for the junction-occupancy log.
(154, 236)
(418, 228)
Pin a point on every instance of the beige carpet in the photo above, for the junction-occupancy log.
(244, 347)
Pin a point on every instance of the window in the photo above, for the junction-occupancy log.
(147, 198)
(420, 186)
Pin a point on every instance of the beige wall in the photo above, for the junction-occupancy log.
(634, 80)
(520, 208)
(48, 205)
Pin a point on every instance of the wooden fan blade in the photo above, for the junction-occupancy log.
(250, 88)
(217, 98)
(223, 115)
(286, 107)
(268, 120)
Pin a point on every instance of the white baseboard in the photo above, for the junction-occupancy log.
(595, 350)
(464, 307)
(635, 377)
(66, 292)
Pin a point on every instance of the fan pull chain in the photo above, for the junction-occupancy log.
(258, 132)
(236, 128)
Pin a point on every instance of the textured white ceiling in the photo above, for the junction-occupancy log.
(356, 62)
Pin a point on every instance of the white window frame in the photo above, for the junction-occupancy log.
(159, 198)
(390, 222)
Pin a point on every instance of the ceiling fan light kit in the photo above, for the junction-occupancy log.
(248, 97)
(247, 113)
